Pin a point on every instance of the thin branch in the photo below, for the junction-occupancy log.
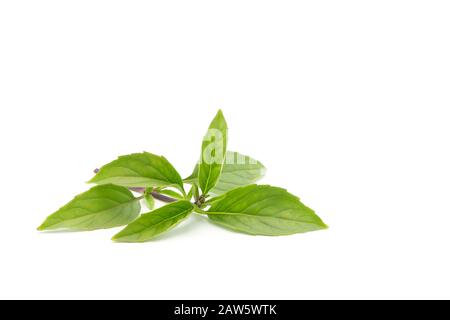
(154, 194)
(162, 197)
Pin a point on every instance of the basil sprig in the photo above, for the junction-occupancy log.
(222, 188)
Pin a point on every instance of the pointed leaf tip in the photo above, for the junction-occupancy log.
(264, 210)
(152, 224)
(139, 170)
(101, 207)
(214, 148)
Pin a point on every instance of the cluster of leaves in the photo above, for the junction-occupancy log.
(221, 187)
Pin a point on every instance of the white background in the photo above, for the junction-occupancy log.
(345, 102)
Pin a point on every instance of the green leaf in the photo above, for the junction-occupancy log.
(193, 178)
(139, 170)
(152, 224)
(214, 148)
(171, 193)
(195, 192)
(101, 207)
(190, 193)
(148, 199)
(263, 210)
(238, 170)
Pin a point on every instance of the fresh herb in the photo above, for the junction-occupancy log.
(222, 188)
